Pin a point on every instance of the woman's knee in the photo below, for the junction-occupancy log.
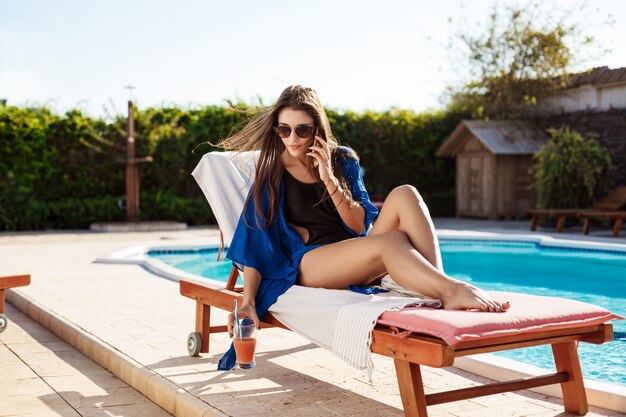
(405, 191)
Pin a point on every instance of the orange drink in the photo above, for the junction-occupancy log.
(245, 343)
(245, 351)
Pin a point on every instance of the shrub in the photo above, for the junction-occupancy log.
(571, 171)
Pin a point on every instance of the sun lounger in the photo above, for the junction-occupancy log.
(424, 336)
(613, 201)
(5, 283)
(430, 337)
(616, 216)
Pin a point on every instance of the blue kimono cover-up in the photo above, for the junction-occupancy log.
(275, 251)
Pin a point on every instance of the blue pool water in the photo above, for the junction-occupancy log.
(200, 262)
(596, 277)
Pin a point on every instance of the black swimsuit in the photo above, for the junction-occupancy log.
(302, 209)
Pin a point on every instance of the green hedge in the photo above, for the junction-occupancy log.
(65, 171)
(398, 147)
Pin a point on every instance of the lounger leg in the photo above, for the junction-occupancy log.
(2, 301)
(411, 388)
(533, 222)
(587, 225)
(203, 322)
(560, 223)
(574, 395)
(617, 227)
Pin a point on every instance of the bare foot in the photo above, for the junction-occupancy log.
(467, 297)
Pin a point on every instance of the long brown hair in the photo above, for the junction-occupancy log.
(258, 134)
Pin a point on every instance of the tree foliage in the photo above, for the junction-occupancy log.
(525, 52)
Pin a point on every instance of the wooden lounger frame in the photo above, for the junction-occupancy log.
(6, 283)
(606, 208)
(561, 215)
(415, 350)
(617, 216)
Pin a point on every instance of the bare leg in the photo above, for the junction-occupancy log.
(360, 260)
(405, 210)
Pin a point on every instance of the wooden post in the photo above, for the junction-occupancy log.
(203, 322)
(411, 388)
(132, 171)
(574, 395)
(533, 221)
(617, 227)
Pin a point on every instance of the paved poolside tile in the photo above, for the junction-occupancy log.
(54, 379)
(250, 407)
(382, 412)
(21, 336)
(506, 398)
(90, 383)
(143, 317)
(49, 405)
(134, 410)
(21, 387)
(12, 368)
(307, 411)
(511, 410)
(62, 363)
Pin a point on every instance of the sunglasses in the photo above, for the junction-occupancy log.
(303, 132)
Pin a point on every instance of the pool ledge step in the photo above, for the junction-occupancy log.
(163, 392)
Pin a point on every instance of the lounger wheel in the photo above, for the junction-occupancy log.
(3, 322)
(194, 343)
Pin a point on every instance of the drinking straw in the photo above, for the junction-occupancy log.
(237, 320)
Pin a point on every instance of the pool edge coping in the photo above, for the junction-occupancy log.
(136, 255)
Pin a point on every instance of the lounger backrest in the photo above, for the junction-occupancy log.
(225, 179)
(613, 201)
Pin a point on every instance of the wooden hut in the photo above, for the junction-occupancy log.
(494, 167)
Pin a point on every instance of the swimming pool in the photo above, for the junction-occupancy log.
(596, 276)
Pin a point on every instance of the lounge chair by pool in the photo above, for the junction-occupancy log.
(613, 201)
(616, 216)
(417, 336)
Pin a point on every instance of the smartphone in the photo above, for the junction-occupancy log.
(319, 133)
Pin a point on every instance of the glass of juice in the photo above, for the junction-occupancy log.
(245, 343)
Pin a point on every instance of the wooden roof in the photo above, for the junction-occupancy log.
(501, 137)
(598, 76)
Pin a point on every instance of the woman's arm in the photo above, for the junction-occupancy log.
(353, 215)
(251, 281)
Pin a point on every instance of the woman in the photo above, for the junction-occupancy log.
(307, 218)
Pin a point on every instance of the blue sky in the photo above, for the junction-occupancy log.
(357, 54)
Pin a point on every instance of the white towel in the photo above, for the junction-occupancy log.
(355, 322)
(225, 179)
(342, 321)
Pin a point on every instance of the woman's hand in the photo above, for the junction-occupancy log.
(246, 310)
(320, 151)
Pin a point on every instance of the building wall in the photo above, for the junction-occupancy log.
(472, 189)
(514, 181)
(585, 98)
